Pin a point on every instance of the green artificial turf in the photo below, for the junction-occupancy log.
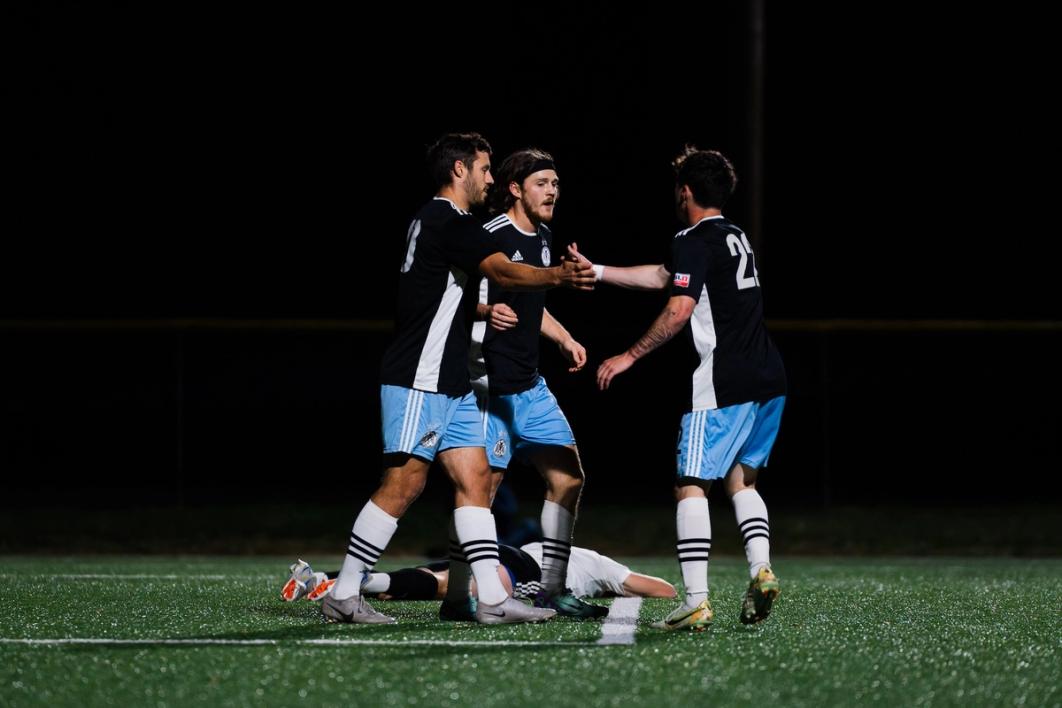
(894, 631)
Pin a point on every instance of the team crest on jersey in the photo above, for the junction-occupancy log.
(429, 439)
(516, 257)
(545, 256)
(499, 448)
(682, 280)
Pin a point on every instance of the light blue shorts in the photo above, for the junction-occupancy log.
(711, 442)
(519, 422)
(423, 424)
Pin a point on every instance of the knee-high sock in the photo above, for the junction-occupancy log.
(372, 531)
(694, 527)
(479, 541)
(457, 587)
(751, 515)
(557, 524)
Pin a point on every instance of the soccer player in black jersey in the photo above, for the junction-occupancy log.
(524, 418)
(736, 385)
(428, 409)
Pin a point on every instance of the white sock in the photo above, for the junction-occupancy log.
(557, 524)
(372, 531)
(376, 583)
(751, 515)
(479, 541)
(694, 527)
(459, 583)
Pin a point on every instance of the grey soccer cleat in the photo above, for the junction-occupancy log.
(353, 610)
(510, 611)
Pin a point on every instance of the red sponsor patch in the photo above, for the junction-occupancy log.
(682, 280)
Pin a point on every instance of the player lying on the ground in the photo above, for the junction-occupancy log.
(590, 574)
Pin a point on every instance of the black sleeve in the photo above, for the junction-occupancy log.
(689, 263)
(468, 244)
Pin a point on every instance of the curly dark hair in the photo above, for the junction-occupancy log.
(514, 168)
(449, 149)
(709, 175)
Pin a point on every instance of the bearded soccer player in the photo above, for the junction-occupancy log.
(524, 418)
(427, 406)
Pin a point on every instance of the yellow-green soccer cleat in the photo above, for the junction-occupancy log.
(682, 617)
(760, 597)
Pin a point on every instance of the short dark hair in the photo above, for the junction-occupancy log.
(449, 149)
(709, 175)
(514, 168)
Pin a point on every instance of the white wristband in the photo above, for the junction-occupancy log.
(599, 272)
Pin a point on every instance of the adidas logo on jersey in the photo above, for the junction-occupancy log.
(516, 257)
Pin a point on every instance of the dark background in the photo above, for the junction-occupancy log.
(262, 164)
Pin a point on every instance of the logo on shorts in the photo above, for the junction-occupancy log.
(545, 256)
(430, 439)
(682, 280)
(499, 448)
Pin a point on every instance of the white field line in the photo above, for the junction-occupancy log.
(138, 576)
(622, 621)
(98, 641)
(618, 628)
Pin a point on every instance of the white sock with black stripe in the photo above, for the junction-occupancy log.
(372, 531)
(557, 524)
(755, 530)
(694, 527)
(479, 541)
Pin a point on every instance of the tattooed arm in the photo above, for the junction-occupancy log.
(670, 322)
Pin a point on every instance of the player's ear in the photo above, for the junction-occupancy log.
(459, 169)
(685, 195)
(514, 189)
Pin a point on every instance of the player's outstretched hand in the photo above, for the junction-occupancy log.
(611, 368)
(577, 275)
(574, 255)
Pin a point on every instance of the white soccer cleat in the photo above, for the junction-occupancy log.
(322, 586)
(298, 584)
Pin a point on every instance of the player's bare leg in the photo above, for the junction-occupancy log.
(376, 523)
(562, 472)
(476, 533)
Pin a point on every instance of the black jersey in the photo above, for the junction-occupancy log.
(437, 293)
(511, 357)
(736, 361)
